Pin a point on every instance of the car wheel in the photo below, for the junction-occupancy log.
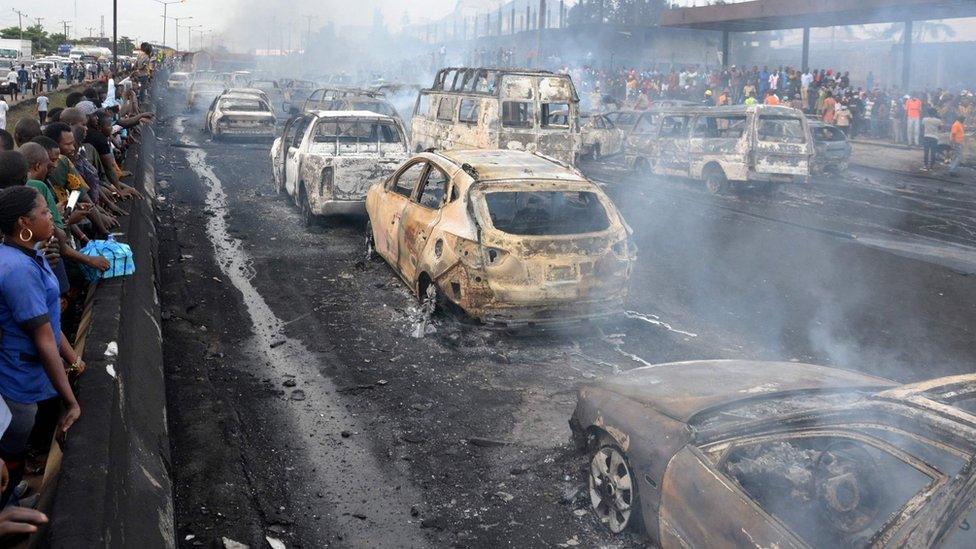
(308, 218)
(371, 254)
(613, 489)
(715, 181)
(642, 167)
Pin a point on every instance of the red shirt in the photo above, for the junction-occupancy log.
(913, 107)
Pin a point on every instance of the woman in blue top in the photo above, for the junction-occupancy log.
(31, 344)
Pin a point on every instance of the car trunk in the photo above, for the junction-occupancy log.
(783, 145)
(354, 173)
(550, 244)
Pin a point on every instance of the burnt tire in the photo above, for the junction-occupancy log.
(612, 488)
(305, 208)
(642, 167)
(371, 254)
(715, 181)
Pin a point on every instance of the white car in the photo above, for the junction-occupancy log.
(240, 115)
(178, 81)
(326, 160)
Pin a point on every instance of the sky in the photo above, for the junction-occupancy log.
(142, 19)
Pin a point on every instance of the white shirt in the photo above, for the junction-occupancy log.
(774, 81)
(42, 103)
(806, 80)
(3, 113)
(12, 77)
(5, 415)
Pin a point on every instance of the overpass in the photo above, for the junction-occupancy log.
(763, 15)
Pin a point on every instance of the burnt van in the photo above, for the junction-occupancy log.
(725, 147)
(482, 108)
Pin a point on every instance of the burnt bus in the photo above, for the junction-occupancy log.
(488, 108)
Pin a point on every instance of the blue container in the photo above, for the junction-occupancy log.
(119, 258)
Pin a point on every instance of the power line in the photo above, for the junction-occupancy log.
(20, 22)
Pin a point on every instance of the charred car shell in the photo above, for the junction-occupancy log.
(494, 238)
(246, 115)
(326, 161)
(779, 454)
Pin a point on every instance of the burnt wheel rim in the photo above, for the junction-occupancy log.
(611, 488)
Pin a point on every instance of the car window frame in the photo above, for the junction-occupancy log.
(422, 186)
(391, 184)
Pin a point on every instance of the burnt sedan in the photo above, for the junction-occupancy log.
(509, 237)
(779, 454)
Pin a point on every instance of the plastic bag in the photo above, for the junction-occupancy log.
(119, 258)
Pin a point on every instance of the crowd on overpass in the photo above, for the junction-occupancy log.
(62, 193)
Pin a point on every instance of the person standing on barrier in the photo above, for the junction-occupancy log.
(32, 349)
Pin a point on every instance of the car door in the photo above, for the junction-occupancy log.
(396, 196)
(293, 157)
(673, 144)
(287, 136)
(419, 219)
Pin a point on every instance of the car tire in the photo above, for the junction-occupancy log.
(305, 208)
(371, 254)
(642, 167)
(612, 487)
(715, 181)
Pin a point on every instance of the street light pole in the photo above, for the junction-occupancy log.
(178, 19)
(166, 5)
(115, 37)
(189, 37)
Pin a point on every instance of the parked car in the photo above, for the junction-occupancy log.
(203, 92)
(832, 149)
(624, 120)
(739, 453)
(326, 160)
(349, 99)
(241, 115)
(509, 237)
(269, 87)
(726, 147)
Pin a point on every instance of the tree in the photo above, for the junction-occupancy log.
(920, 29)
(126, 45)
(41, 41)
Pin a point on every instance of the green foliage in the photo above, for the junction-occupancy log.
(41, 41)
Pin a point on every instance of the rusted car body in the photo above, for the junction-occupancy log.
(203, 92)
(601, 137)
(509, 237)
(726, 147)
(349, 99)
(241, 114)
(779, 454)
(294, 93)
(478, 108)
(326, 160)
(832, 149)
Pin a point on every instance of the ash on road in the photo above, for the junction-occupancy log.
(302, 409)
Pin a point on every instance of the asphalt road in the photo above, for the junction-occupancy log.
(301, 408)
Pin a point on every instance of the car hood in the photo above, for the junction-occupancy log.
(683, 389)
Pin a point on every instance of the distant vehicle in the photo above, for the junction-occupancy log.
(726, 147)
(243, 115)
(601, 137)
(738, 453)
(178, 81)
(325, 160)
(509, 237)
(268, 86)
(250, 92)
(203, 92)
(205, 75)
(624, 120)
(832, 149)
(349, 99)
(482, 108)
(294, 94)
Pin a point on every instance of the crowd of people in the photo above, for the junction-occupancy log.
(61, 186)
(868, 111)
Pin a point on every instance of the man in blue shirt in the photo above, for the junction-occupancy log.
(23, 77)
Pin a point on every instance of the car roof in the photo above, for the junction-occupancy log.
(351, 114)
(682, 390)
(505, 164)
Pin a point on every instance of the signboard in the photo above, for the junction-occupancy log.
(64, 49)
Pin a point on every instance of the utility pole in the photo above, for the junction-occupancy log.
(115, 38)
(166, 5)
(101, 31)
(20, 21)
(91, 31)
(178, 19)
(38, 20)
(189, 37)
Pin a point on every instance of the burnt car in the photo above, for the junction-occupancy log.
(240, 114)
(600, 136)
(508, 237)
(326, 160)
(832, 151)
(779, 454)
(294, 93)
(203, 92)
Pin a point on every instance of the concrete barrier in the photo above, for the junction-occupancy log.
(113, 488)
